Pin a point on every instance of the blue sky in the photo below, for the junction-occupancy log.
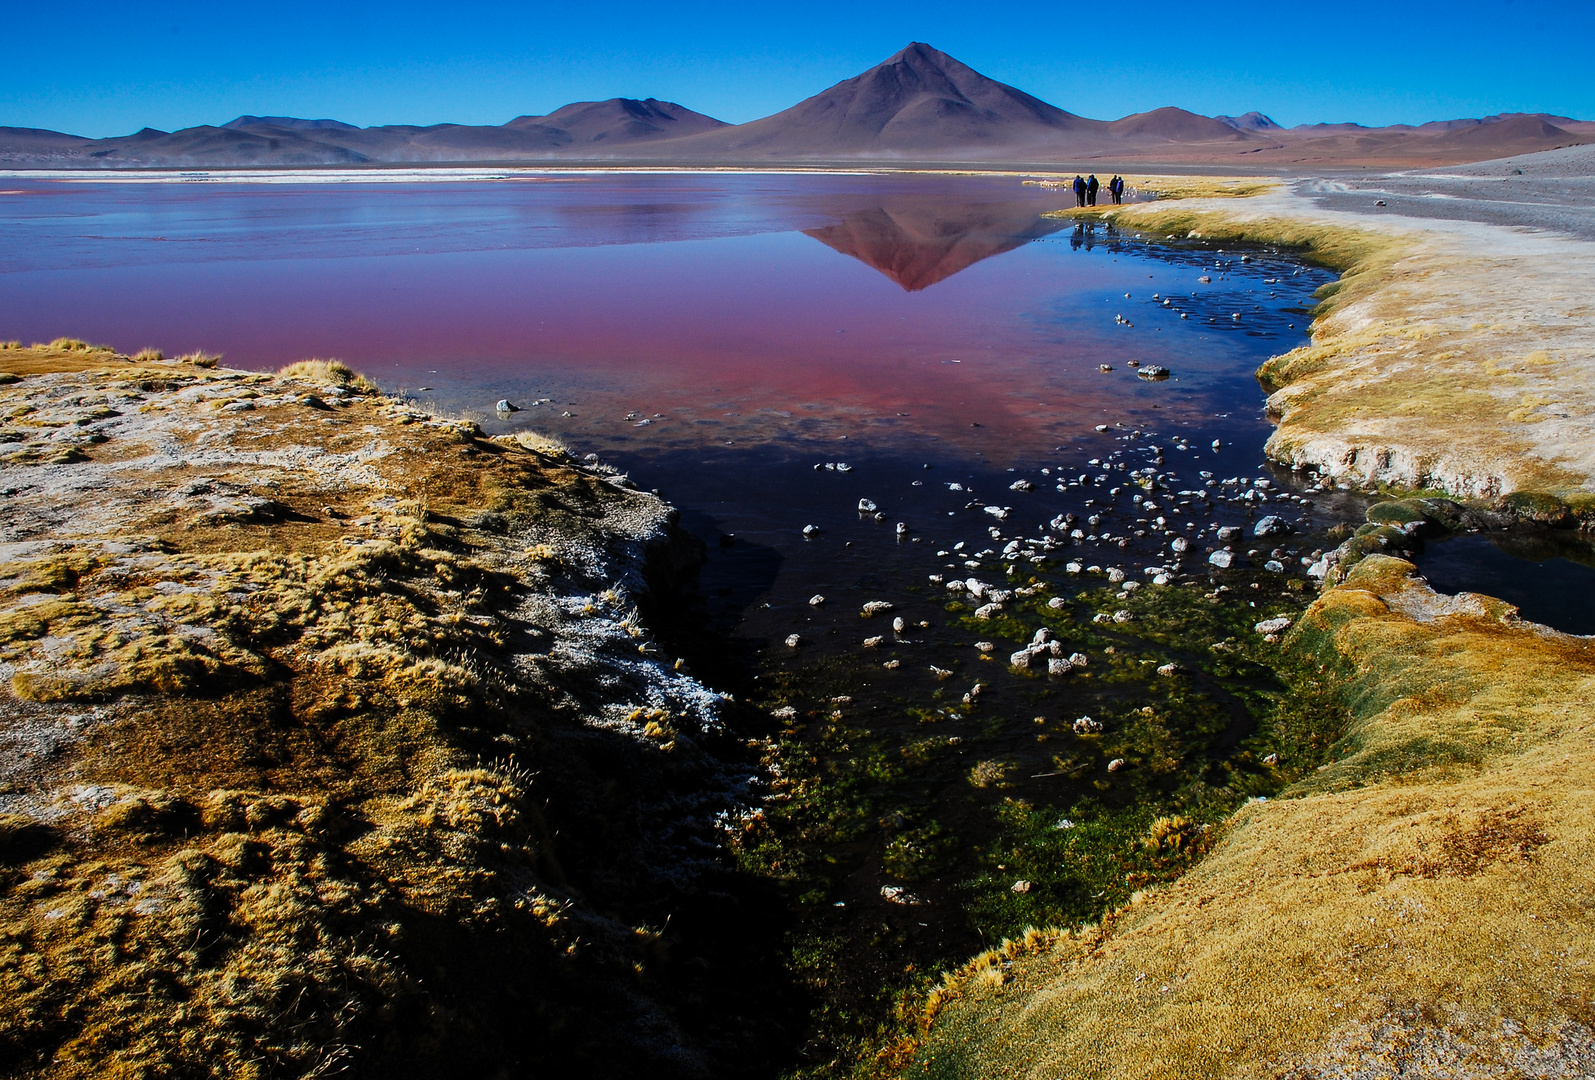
(98, 68)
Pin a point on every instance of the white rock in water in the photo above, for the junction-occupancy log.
(1180, 545)
(1274, 566)
(1228, 533)
(816, 600)
(986, 646)
(1115, 575)
(986, 611)
(1020, 660)
(505, 406)
(940, 673)
(1056, 602)
(876, 607)
(898, 625)
(1271, 759)
(1072, 568)
(811, 530)
(1020, 886)
(1058, 665)
(902, 528)
(1123, 616)
(867, 506)
(842, 466)
(896, 894)
(997, 512)
(873, 642)
(1087, 726)
(977, 589)
(1162, 579)
(892, 665)
(1271, 526)
(1102, 427)
(955, 586)
(999, 596)
(1020, 485)
(1116, 764)
(1043, 636)
(793, 641)
(1168, 669)
(1222, 559)
(1273, 626)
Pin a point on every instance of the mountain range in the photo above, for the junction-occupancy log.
(920, 106)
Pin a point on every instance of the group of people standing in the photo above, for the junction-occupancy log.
(1085, 189)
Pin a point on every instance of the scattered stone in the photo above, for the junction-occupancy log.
(1153, 372)
(896, 894)
(892, 665)
(986, 611)
(1087, 726)
(1274, 566)
(1103, 367)
(898, 625)
(505, 406)
(998, 512)
(1056, 602)
(1021, 485)
(1273, 626)
(1042, 636)
(941, 674)
(876, 607)
(1115, 576)
(785, 712)
(1228, 533)
(902, 528)
(816, 600)
(1180, 545)
(793, 641)
(1222, 559)
(1072, 568)
(1020, 659)
(1020, 886)
(810, 531)
(874, 642)
(1116, 764)
(1058, 665)
(1168, 670)
(1271, 759)
(1271, 526)
(1078, 659)
(867, 506)
(1123, 616)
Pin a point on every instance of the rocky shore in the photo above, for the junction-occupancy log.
(333, 738)
(1453, 356)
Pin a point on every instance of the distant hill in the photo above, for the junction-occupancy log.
(920, 106)
(290, 141)
(1252, 121)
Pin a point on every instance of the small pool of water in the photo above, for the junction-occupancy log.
(1549, 576)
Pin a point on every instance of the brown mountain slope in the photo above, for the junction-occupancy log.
(622, 120)
(919, 102)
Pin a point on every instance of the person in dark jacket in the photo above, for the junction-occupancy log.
(1091, 186)
(1079, 191)
(1116, 189)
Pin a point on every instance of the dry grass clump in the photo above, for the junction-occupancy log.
(148, 356)
(290, 830)
(1424, 889)
(328, 372)
(200, 359)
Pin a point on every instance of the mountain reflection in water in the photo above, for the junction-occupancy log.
(919, 243)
